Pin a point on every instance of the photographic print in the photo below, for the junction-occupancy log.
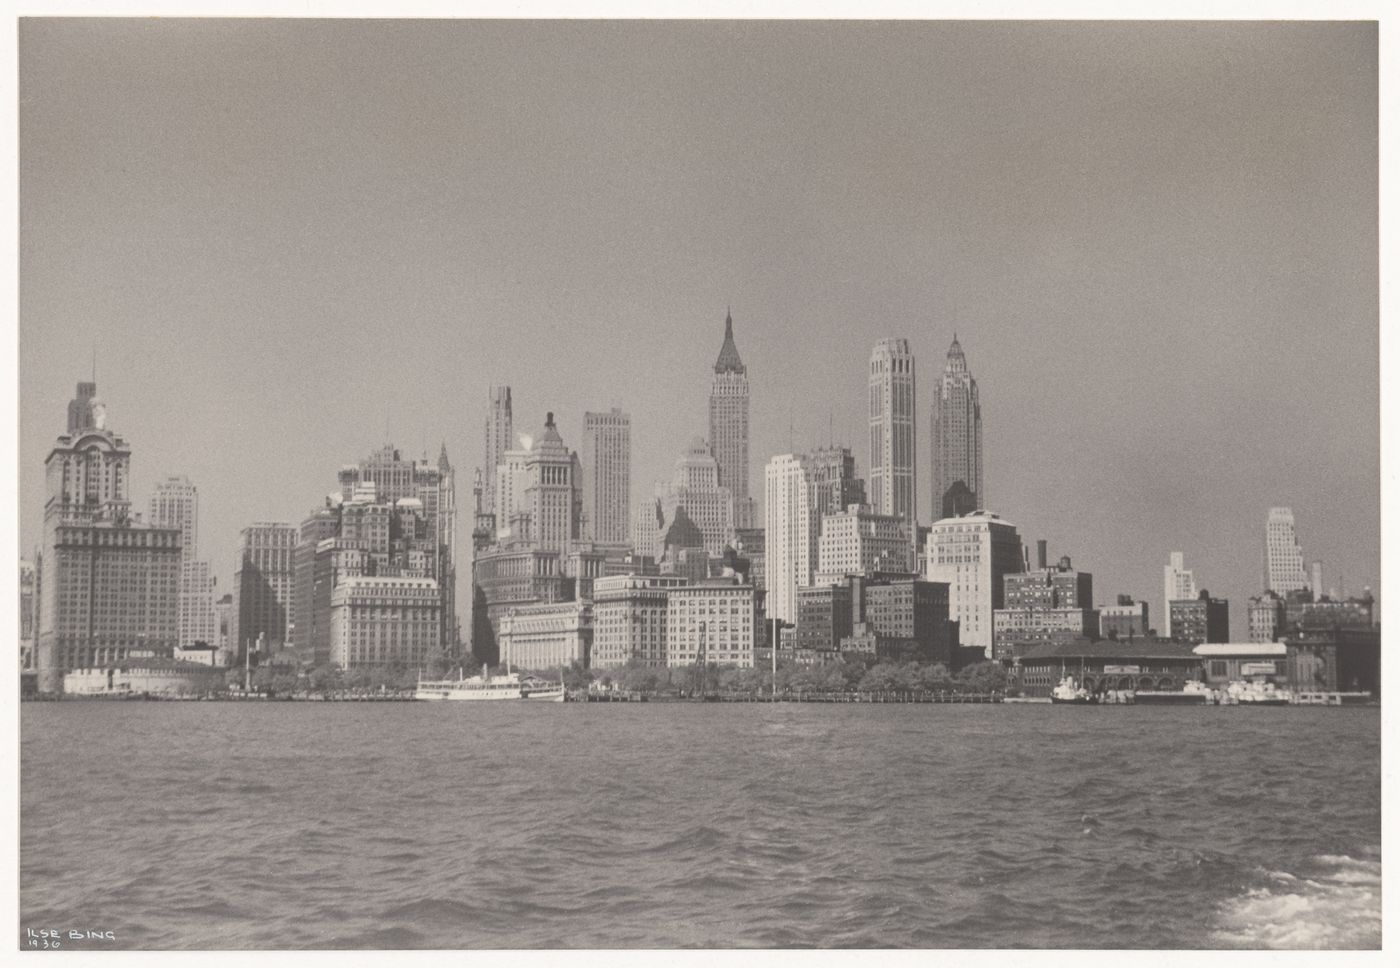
(726, 484)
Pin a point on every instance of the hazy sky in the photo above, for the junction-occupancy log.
(1156, 243)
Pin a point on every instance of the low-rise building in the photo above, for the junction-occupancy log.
(1108, 664)
(1126, 620)
(1226, 662)
(1266, 617)
(382, 621)
(629, 619)
(1202, 619)
(546, 636)
(146, 676)
(718, 620)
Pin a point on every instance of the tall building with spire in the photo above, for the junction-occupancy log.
(109, 586)
(1283, 557)
(553, 497)
(958, 485)
(893, 481)
(500, 437)
(607, 475)
(729, 425)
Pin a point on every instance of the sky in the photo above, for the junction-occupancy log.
(1156, 242)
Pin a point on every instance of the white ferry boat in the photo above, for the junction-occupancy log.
(508, 686)
(1068, 692)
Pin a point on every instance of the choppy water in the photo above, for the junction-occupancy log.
(401, 825)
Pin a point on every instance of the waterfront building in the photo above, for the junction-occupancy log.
(696, 487)
(509, 575)
(718, 620)
(729, 427)
(1224, 662)
(905, 619)
(958, 485)
(222, 610)
(893, 481)
(28, 582)
(607, 475)
(1201, 619)
(1179, 585)
(1108, 664)
(790, 533)
(545, 636)
(858, 541)
(263, 584)
(1283, 558)
(108, 585)
(1266, 617)
(973, 554)
(149, 676)
(1049, 604)
(1126, 620)
(383, 621)
(824, 617)
(629, 619)
(500, 436)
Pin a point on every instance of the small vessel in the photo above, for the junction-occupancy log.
(1068, 693)
(486, 686)
(1194, 693)
(1256, 694)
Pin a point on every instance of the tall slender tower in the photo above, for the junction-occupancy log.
(175, 504)
(790, 532)
(958, 486)
(500, 437)
(552, 496)
(893, 482)
(1283, 558)
(607, 475)
(729, 425)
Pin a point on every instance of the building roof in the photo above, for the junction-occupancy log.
(729, 361)
(1136, 648)
(1242, 648)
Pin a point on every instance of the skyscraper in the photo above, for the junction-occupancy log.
(175, 504)
(109, 587)
(607, 475)
(790, 532)
(973, 554)
(500, 437)
(696, 487)
(552, 497)
(1283, 558)
(262, 586)
(834, 479)
(892, 477)
(729, 425)
(958, 486)
(1179, 585)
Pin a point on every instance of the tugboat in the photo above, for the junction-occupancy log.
(1068, 693)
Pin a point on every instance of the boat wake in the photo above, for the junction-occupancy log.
(1337, 905)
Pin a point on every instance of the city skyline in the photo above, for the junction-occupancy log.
(1076, 321)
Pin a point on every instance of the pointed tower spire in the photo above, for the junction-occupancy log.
(729, 361)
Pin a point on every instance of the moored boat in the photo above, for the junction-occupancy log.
(1068, 693)
(485, 687)
(1192, 694)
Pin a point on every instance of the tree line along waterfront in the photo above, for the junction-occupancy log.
(852, 675)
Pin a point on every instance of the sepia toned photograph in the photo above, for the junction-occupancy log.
(636, 484)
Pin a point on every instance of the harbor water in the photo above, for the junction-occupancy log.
(518, 825)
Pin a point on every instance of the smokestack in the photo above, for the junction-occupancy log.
(1041, 554)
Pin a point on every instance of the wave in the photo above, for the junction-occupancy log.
(1335, 906)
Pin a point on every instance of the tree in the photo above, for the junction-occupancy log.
(983, 677)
